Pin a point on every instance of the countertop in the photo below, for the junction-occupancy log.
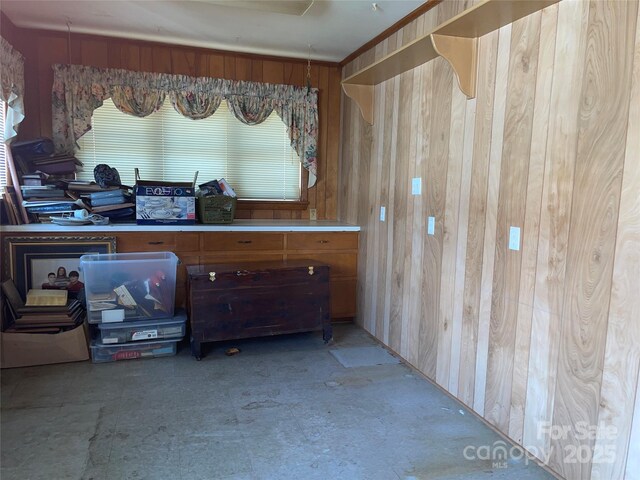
(236, 226)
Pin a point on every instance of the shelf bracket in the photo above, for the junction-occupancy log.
(462, 55)
(363, 96)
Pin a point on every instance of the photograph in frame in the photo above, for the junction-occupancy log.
(30, 260)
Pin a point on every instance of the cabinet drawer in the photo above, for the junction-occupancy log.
(240, 257)
(146, 242)
(342, 264)
(322, 241)
(158, 241)
(238, 242)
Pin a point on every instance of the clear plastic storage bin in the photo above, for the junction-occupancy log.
(161, 329)
(130, 351)
(129, 286)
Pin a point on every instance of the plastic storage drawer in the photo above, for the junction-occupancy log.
(114, 353)
(137, 286)
(117, 333)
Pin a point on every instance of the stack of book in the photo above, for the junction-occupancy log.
(56, 164)
(47, 200)
(45, 311)
(113, 202)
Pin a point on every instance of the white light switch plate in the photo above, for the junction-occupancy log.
(514, 238)
(383, 214)
(416, 186)
(431, 226)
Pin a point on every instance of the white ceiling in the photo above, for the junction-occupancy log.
(333, 28)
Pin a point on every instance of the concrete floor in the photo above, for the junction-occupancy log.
(284, 408)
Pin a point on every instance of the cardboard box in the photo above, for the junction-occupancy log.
(165, 203)
(28, 349)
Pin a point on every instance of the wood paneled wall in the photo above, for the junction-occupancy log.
(44, 48)
(548, 335)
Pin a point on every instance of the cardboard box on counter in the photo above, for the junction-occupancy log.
(28, 349)
(165, 203)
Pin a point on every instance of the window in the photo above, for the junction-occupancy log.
(3, 160)
(257, 161)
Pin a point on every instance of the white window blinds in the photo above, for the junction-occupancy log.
(3, 160)
(257, 161)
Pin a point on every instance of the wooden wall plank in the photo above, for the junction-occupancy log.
(146, 59)
(114, 55)
(362, 186)
(369, 314)
(256, 70)
(272, 72)
(632, 470)
(493, 185)
(53, 48)
(525, 37)
(183, 62)
(602, 123)
(216, 65)
(161, 59)
(413, 254)
(487, 49)
(230, 67)
(130, 56)
(386, 187)
(400, 201)
(243, 69)
(620, 383)
(450, 219)
(331, 188)
(530, 233)
(93, 52)
(422, 78)
(323, 118)
(554, 225)
(461, 246)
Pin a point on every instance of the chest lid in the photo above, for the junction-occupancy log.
(253, 267)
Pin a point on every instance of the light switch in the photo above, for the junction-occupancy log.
(416, 186)
(514, 238)
(431, 226)
(383, 213)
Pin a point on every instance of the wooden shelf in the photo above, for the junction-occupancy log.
(455, 40)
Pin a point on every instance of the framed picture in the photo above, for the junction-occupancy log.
(50, 262)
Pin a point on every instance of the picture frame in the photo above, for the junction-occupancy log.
(29, 260)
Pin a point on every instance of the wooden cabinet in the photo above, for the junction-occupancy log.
(339, 250)
(228, 301)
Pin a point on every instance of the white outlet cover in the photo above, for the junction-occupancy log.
(416, 186)
(514, 238)
(383, 214)
(431, 226)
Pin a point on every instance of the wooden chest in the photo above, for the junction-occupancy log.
(253, 299)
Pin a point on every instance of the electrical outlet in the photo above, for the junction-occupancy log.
(431, 226)
(514, 238)
(383, 214)
(416, 186)
(313, 214)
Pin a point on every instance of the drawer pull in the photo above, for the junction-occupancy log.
(212, 276)
(323, 241)
(310, 270)
(244, 241)
(242, 273)
(155, 243)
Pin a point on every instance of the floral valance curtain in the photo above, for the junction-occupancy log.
(78, 90)
(11, 87)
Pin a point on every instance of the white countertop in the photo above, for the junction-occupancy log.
(236, 226)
